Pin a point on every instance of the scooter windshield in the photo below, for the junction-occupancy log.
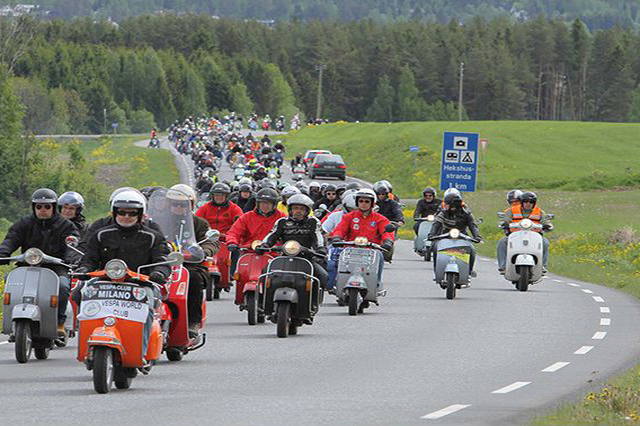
(171, 210)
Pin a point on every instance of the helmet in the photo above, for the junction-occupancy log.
(429, 190)
(299, 200)
(267, 194)
(314, 185)
(290, 191)
(266, 183)
(322, 187)
(72, 198)
(353, 185)
(303, 187)
(366, 193)
(129, 200)
(529, 196)
(220, 188)
(119, 190)
(388, 185)
(244, 180)
(244, 187)
(513, 195)
(233, 185)
(380, 187)
(329, 188)
(452, 191)
(182, 192)
(453, 199)
(148, 190)
(273, 164)
(45, 196)
(349, 201)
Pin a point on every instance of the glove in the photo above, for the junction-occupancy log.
(387, 245)
(157, 277)
(262, 248)
(81, 270)
(547, 227)
(232, 247)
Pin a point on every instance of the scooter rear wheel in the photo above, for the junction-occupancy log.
(42, 351)
(24, 344)
(102, 369)
(451, 286)
(353, 301)
(174, 354)
(284, 319)
(252, 307)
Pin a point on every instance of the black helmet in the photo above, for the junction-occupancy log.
(529, 196)
(267, 194)
(147, 191)
(513, 195)
(329, 188)
(353, 185)
(429, 190)
(380, 188)
(220, 188)
(44, 196)
(453, 199)
(245, 187)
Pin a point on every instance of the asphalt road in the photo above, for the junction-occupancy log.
(491, 356)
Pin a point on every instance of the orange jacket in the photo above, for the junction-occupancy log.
(535, 216)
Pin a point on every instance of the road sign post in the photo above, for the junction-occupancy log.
(459, 166)
(413, 149)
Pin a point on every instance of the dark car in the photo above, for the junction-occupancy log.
(310, 155)
(328, 165)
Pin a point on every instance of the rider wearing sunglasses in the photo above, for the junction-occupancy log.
(46, 230)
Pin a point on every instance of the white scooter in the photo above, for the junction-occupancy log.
(524, 254)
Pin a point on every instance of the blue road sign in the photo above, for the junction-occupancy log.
(459, 166)
(413, 148)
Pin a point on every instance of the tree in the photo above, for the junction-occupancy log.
(410, 106)
(382, 107)
(240, 100)
(141, 121)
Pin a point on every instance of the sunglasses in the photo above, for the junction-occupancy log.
(179, 205)
(364, 201)
(130, 214)
(44, 206)
(330, 193)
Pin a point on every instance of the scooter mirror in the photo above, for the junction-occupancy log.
(71, 241)
(322, 207)
(501, 215)
(479, 221)
(212, 235)
(175, 258)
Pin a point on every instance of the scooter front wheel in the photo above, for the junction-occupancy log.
(102, 369)
(284, 319)
(24, 343)
(252, 307)
(451, 286)
(353, 301)
(523, 281)
(42, 351)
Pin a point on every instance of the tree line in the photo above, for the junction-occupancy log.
(83, 75)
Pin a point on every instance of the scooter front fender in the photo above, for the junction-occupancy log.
(525, 260)
(250, 286)
(452, 267)
(26, 311)
(106, 336)
(285, 294)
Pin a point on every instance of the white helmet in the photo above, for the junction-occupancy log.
(119, 190)
(300, 200)
(314, 184)
(349, 201)
(366, 193)
(451, 191)
(289, 191)
(181, 191)
(131, 199)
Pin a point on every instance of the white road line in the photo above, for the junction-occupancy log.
(583, 350)
(598, 299)
(599, 335)
(511, 387)
(558, 281)
(445, 411)
(555, 367)
(587, 291)
(3, 343)
(604, 310)
(574, 284)
(605, 321)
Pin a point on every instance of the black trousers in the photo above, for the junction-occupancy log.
(197, 280)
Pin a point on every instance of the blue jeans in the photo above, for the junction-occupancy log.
(63, 298)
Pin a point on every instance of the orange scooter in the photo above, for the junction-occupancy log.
(116, 313)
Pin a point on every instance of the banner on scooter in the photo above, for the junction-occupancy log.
(114, 300)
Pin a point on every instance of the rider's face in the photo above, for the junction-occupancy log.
(527, 205)
(245, 194)
(44, 210)
(330, 195)
(265, 206)
(68, 211)
(179, 208)
(364, 204)
(298, 212)
(428, 197)
(382, 197)
(127, 217)
(219, 198)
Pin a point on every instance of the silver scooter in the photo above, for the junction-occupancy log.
(30, 305)
(421, 244)
(452, 269)
(357, 283)
(524, 253)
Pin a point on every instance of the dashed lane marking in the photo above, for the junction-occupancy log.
(587, 291)
(445, 411)
(605, 321)
(604, 310)
(598, 299)
(3, 343)
(599, 335)
(555, 367)
(511, 387)
(558, 281)
(574, 284)
(583, 350)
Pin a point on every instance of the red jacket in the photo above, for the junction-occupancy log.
(220, 217)
(252, 226)
(354, 225)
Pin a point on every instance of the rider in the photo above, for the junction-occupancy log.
(314, 191)
(70, 206)
(526, 209)
(220, 212)
(182, 200)
(332, 220)
(257, 223)
(329, 198)
(244, 197)
(305, 229)
(426, 206)
(205, 183)
(46, 230)
(455, 214)
(388, 208)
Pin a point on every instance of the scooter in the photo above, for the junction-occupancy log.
(299, 172)
(116, 313)
(524, 253)
(249, 285)
(30, 306)
(359, 280)
(290, 289)
(154, 143)
(220, 271)
(421, 244)
(452, 270)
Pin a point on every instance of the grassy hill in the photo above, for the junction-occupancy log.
(528, 154)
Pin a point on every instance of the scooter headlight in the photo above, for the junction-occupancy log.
(454, 233)
(116, 269)
(361, 241)
(526, 224)
(291, 248)
(431, 218)
(33, 256)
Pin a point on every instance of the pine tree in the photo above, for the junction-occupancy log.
(382, 107)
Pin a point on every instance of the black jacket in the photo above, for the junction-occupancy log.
(461, 219)
(81, 225)
(424, 209)
(246, 204)
(331, 205)
(101, 223)
(48, 235)
(138, 245)
(391, 210)
(308, 232)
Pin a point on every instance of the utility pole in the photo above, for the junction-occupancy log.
(104, 130)
(319, 68)
(460, 91)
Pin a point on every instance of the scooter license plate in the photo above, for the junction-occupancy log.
(114, 300)
(464, 256)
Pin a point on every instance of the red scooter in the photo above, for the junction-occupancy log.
(219, 269)
(249, 286)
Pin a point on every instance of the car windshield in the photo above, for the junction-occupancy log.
(329, 158)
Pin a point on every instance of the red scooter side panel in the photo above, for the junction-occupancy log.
(178, 293)
(250, 267)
